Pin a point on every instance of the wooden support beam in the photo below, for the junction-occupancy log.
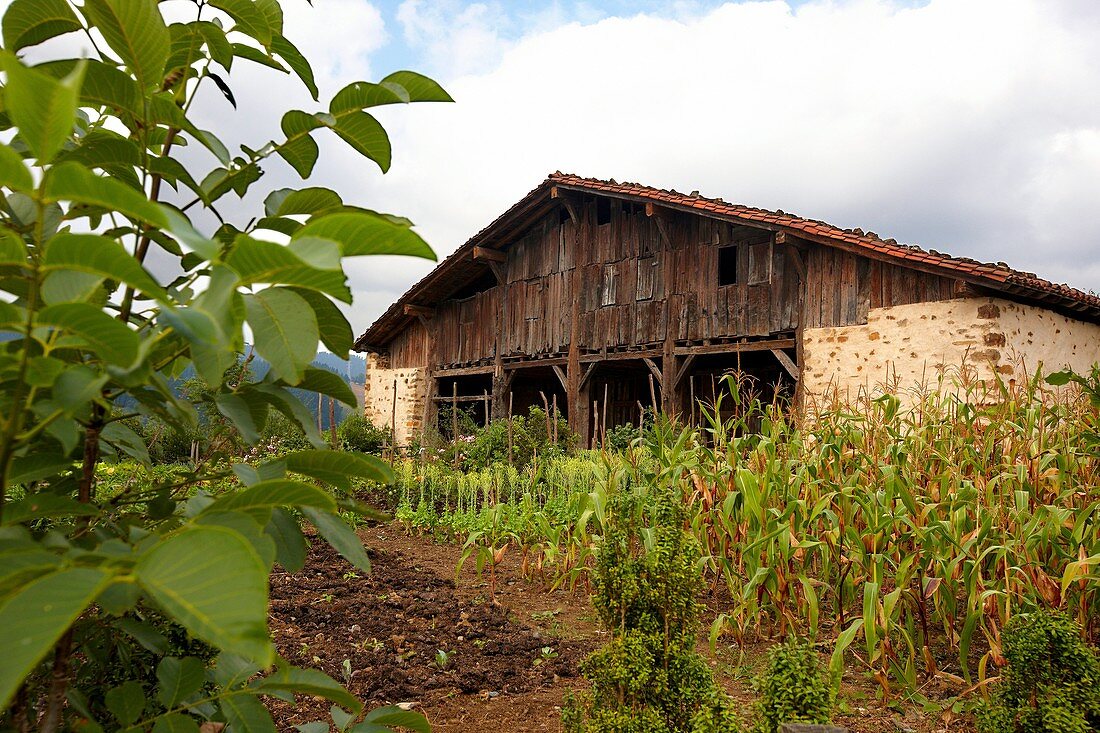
(499, 272)
(489, 255)
(588, 371)
(788, 343)
(794, 256)
(464, 371)
(683, 370)
(620, 356)
(421, 312)
(561, 376)
(656, 371)
(463, 398)
(787, 363)
(658, 215)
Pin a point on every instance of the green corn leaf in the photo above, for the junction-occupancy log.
(43, 108)
(106, 336)
(32, 620)
(337, 467)
(338, 534)
(179, 678)
(285, 331)
(211, 580)
(367, 233)
(98, 255)
(278, 492)
(30, 22)
(135, 30)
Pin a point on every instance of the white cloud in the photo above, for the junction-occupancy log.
(969, 126)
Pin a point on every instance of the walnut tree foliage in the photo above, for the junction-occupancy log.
(92, 185)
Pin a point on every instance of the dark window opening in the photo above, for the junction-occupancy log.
(480, 285)
(603, 211)
(727, 266)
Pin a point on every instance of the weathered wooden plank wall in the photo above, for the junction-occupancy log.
(619, 254)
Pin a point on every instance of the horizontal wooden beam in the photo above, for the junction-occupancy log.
(738, 347)
(619, 356)
(463, 371)
(464, 398)
(419, 311)
(489, 255)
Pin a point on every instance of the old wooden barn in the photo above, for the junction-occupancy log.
(604, 297)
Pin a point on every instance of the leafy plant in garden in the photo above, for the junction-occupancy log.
(793, 688)
(92, 186)
(649, 677)
(358, 433)
(1051, 683)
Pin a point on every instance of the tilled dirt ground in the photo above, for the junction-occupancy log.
(409, 633)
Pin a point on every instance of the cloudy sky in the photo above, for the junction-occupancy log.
(967, 126)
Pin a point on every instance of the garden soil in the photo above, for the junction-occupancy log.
(413, 634)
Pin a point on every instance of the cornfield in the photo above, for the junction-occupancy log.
(909, 537)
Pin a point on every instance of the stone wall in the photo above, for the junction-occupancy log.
(911, 349)
(409, 387)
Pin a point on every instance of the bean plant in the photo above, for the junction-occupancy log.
(94, 190)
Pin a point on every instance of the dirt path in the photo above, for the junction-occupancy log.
(503, 668)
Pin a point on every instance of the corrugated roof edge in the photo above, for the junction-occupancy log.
(998, 276)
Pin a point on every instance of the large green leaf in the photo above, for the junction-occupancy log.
(361, 94)
(338, 534)
(135, 30)
(391, 718)
(290, 545)
(246, 714)
(338, 467)
(258, 261)
(285, 331)
(313, 200)
(110, 87)
(289, 53)
(367, 233)
(37, 506)
(126, 701)
(336, 333)
(30, 22)
(309, 682)
(100, 256)
(13, 172)
(43, 108)
(212, 581)
(179, 678)
(278, 492)
(418, 87)
(299, 150)
(175, 723)
(331, 385)
(366, 134)
(249, 17)
(242, 413)
(32, 620)
(106, 336)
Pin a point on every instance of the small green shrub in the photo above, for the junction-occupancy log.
(281, 435)
(358, 433)
(648, 678)
(1051, 683)
(793, 688)
(532, 437)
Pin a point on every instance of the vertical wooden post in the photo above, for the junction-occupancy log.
(576, 395)
(603, 427)
(320, 407)
(652, 394)
(454, 412)
(488, 412)
(332, 422)
(393, 421)
(555, 420)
